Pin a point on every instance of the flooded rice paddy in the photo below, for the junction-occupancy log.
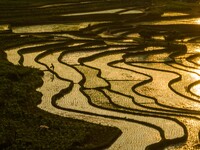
(112, 77)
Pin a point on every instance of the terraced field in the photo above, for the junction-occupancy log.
(97, 67)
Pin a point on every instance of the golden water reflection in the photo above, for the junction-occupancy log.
(176, 21)
(193, 48)
(197, 21)
(173, 14)
(196, 89)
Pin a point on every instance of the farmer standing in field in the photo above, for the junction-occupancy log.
(52, 67)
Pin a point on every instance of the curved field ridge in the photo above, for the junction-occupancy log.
(98, 69)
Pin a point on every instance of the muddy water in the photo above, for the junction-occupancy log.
(49, 28)
(173, 14)
(4, 27)
(178, 21)
(111, 73)
(96, 12)
(63, 71)
(162, 92)
(73, 101)
(111, 11)
(14, 57)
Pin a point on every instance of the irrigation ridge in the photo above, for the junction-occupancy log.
(98, 69)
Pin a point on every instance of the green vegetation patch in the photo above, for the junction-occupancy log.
(24, 126)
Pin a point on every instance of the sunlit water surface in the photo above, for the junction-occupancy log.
(124, 75)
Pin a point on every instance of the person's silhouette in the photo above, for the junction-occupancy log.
(52, 66)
